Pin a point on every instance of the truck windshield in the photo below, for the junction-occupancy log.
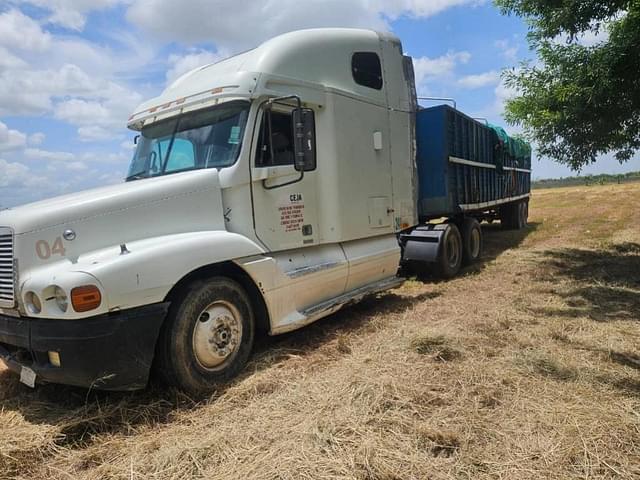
(208, 139)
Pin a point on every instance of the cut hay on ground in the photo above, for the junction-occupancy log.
(525, 367)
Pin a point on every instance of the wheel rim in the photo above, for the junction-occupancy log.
(453, 250)
(217, 335)
(475, 243)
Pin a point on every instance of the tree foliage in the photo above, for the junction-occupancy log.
(578, 101)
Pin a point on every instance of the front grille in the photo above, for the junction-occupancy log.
(7, 269)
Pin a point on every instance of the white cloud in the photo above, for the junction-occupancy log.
(181, 64)
(242, 26)
(36, 138)
(495, 110)
(19, 184)
(418, 8)
(591, 38)
(128, 145)
(9, 61)
(427, 70)
(504, 93)
(479, 80)
(38, 154)
(71, 14)
(11, 139)
(43, 73)
(19, 31)
(70, 94)
(82, 112)
(508, 50)
(101, 117)
(15, 174)
(76, 166)
(29, 91)
(96, 133)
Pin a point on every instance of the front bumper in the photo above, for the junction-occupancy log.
(107, 352)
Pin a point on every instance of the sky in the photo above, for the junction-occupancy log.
(72, 71)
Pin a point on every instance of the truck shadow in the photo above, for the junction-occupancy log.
(604, 283)
(82, 415)
(497, 240)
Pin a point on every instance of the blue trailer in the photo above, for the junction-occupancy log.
(468, 172)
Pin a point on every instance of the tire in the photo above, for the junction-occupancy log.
(506, 216)
(524, 214)
(207, 337)
(471, 241)
(450, 255)
(511, 216)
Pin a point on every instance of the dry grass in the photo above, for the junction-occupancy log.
(525, 367)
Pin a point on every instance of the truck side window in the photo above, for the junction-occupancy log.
(367, 69)
(282, 137)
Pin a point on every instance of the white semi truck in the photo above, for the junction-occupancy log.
(266, 191)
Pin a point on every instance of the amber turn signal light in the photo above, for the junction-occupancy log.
(85, 298)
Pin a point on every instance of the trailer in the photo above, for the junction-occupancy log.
(465, 166)
(467, 172)
(266, 191)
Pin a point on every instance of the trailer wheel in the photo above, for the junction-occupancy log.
(207, 337)
(471, 240)
(506, 216)
(513, 215)
(524, 214)
(450, 256)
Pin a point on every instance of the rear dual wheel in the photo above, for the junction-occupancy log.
(459, 246)
(450, 256)
(471, 240)
(514, 216)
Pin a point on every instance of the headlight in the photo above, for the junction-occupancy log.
(61, 298)
(32, 302)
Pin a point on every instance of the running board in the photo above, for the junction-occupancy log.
(332, 305)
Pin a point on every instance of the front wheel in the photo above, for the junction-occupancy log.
(207, 337)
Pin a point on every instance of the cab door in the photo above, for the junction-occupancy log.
(286, 220)
(284, 200)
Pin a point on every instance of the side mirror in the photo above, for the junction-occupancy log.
(135, 139)
(304, 135)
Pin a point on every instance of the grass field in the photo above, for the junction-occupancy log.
(527, 366)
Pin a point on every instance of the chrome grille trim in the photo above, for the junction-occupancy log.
(7, 269)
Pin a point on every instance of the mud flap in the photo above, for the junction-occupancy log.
(423, 243)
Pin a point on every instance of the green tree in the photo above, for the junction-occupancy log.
(578, 101)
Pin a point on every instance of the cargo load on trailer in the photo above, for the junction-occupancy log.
(465, 165)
